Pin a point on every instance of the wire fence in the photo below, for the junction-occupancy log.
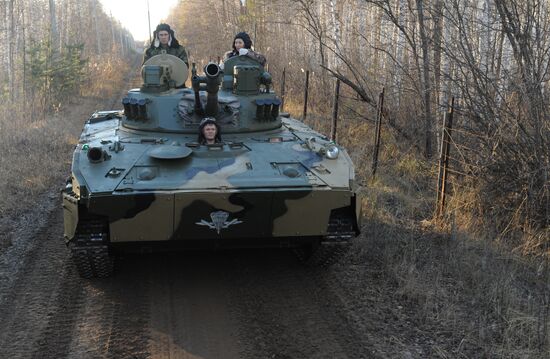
(465, 147)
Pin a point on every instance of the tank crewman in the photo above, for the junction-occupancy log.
(165, 43)
(242, 45)
(209, 132)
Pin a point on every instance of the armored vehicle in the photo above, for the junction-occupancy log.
(141, 179)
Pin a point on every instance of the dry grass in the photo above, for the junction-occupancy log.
(32, 156)
(468, 296)
(455, 289)
(36, 153)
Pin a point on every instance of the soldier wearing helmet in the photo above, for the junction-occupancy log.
(165, 43)
(209, 132)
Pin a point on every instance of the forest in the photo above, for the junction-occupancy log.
(54, 54)
(404, 64)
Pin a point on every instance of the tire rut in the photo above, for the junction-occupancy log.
(56, 337)
(28, 307)
(290, 312)
(114, 318)
(190, 317)
(129, 335)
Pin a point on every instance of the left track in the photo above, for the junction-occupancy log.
(90, 250)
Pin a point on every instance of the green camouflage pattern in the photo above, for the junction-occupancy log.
(267, 180)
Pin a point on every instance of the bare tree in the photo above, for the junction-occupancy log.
(426, 87)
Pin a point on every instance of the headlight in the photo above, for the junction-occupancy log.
(97, 154)
(332, 152)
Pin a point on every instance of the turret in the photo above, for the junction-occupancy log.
(240, 98)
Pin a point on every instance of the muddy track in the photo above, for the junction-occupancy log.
(226, 304)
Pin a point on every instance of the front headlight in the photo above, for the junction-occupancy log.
(332, 152)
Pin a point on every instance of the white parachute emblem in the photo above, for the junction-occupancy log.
(219, 221)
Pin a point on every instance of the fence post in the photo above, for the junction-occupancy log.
(444, 159)
(283, 89)
(335, 111)
(305, 95)
(377, 132)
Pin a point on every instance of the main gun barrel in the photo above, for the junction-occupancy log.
(211, 80)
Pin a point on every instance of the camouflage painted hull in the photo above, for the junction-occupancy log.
(249, 187)
(141, 177)
(257, 214)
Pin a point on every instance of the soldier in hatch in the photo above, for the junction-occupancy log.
(165, 42)
(209, 132)
(242, 45)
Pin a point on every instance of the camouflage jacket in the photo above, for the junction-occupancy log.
(252, 54)
(178, 52)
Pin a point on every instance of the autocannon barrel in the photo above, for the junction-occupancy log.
(211, 81)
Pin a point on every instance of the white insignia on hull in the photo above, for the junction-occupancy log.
(219, 221)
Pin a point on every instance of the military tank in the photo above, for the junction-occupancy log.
(141, 180)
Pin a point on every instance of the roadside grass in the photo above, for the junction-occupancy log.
(467, 298)
(462, 291)
(33, 154)
(36, 153)
(472, 295)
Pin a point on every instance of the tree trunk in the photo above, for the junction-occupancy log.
(121, 42)
(24, 53)
(399, 53)
(113, 38)
(335, 27)
(54, 34)
(11, 51)
(426, 88)
(437, 36)
(96, 26)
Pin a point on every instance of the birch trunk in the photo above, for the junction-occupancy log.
(336, 38)
(438, 29)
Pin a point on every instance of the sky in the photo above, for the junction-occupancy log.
(132, 14)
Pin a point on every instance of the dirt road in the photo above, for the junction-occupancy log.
(226, 304)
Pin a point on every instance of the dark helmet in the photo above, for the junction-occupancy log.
(209, 121)
(165, 27)
(246, 39)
